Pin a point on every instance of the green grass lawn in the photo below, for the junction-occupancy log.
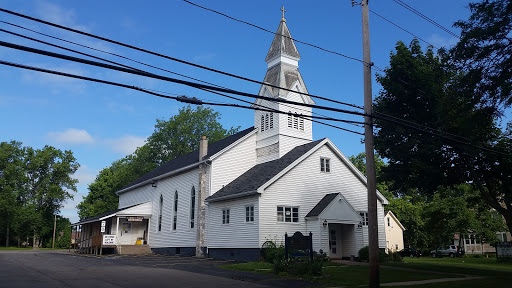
(470, 262)
(335, 274)
(14, 248)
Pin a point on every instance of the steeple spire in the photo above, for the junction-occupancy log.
(282, 19)
(282, 45)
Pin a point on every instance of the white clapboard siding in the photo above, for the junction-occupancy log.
(233, 163)
(304, 186)
(238, 233)
(348, 241)
(137, 196)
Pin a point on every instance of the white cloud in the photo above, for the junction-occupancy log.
(204, 57)
(56, 14)
(85, 175)
(440, 41)
(125, 145)
(57, 82)
(72, 136)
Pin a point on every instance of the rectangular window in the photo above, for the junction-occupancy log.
(389, 224)
(249, 213)
(325, 165)
(364, 215)
(225, 216)
(287, 214)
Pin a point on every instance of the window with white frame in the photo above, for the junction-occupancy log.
(160, 213)
(287, 214)
(290, 121)
(262, 123)
(175, 218)
(325, 165)
(364, 215)
(225, 216)
(192, 206)
(249, 213)
(271, 120)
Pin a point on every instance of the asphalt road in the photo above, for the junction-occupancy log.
(49, 269)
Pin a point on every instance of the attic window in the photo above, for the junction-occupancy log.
(325, 165)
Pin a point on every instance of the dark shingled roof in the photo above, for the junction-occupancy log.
(320, 206)
(98, 217)
(190, 158)
(249, 182)
(282, 45)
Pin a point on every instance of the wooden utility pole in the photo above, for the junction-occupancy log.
(54, 227)
(373, 230)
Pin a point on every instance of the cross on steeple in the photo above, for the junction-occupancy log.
(282, 9)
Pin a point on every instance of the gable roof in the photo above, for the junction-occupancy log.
(187, 159)
(249, 182)
(396, 219)
(335, 211)
(321, 205)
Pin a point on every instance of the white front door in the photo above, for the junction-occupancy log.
(125, 233)
(335, 241)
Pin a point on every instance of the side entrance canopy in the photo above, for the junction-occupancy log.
(125, 226)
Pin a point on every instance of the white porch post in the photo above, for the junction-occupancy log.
(117, 229)
(149, 228)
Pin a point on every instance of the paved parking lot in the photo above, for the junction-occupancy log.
(50, 269)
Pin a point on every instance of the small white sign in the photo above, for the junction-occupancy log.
(102, 229)
(109, 239)
(103, 223)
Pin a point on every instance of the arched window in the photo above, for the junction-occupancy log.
(192, 206)
(266, 121)
(295, 122)
(271, 120)
(262, 123)
(160, 213)
(289, 119)
(301, 123)
(175, 218)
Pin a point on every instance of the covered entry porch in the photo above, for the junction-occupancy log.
(115, 230)
(338, 225)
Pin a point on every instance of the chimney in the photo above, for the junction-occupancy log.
(203, 147)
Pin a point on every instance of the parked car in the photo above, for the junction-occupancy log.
(450, 250)
(410, 252)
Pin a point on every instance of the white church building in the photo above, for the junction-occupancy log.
(229, 197)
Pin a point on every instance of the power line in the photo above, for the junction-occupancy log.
(194, 100)
(273, 33)
(401, 28)
(172, 58)
(169, 79)
(116, 63)
(181, 98)
(92, 48)
(408, 7)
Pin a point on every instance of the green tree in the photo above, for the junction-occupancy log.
(359, 161)
(423, 88)
(34, 183)
(484, 51)
(171, 138)
(12, 179)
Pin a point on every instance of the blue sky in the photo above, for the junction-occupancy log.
(101, 123)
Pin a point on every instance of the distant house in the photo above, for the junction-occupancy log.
(228, 198)
(472, 244)
(394, 233)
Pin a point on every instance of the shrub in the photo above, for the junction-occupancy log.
(395, 257)
(364, 253)
(315, 266)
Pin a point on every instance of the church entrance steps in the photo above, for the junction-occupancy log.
(134, 250)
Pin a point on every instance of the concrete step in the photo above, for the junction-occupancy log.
(134, 249)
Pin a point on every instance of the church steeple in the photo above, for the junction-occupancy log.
(282, 45)
(279, 133)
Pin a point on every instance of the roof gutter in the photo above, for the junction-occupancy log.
(233, 196)
(162, 176)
